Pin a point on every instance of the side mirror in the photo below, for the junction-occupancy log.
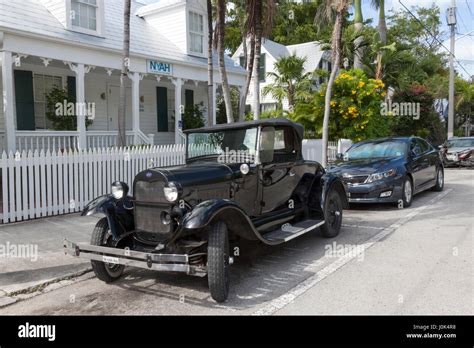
(340, 156)
(267, 143)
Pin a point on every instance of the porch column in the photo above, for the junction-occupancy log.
(214, 104)
(178, 107)
(80, 71)
(8, 100)
(135, 78)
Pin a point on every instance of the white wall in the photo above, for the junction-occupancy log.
(57, 9)
(2, 117)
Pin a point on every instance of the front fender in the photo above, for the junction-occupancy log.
(332, 182)
(229, 211)
(119, 213)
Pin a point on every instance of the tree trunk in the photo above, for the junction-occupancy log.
(210, 67)
(220, 49)
(122, 141)
(337, 53)
(256, 63)
(358, 26)
(249, 67)
(382, 28)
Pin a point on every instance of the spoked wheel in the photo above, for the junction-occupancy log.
(439, 180)
(218, 261)
(332, 215)
(101, 236)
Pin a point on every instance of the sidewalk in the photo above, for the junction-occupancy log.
(31, 252)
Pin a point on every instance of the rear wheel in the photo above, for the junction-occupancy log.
(218, 261)
(101, 236)
(332, 215)
(439, 180)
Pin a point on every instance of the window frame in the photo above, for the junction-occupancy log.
(37, 102)
(99, 18)
(191, 32)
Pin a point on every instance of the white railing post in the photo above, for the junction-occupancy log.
(177, 82)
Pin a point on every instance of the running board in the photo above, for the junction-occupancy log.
(288, 231)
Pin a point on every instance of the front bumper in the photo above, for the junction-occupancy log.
(370, 193)
(132, 258)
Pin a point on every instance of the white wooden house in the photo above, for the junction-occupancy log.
(77, 44)
(271, 52)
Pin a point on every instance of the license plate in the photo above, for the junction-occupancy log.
(110, 259)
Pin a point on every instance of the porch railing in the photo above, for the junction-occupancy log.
(69, 140)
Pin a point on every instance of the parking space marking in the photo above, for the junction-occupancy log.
(287, 298)
(367, 227)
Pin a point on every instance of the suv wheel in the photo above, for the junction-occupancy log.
(101, 237)
(218, 261)
(332, 215)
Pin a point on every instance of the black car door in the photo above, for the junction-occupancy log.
(416, 163)
(431, 158)
(280, 178)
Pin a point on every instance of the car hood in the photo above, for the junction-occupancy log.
(364, 166)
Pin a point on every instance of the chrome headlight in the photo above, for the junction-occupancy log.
(171, 192)
(381, 175)
(119, 189)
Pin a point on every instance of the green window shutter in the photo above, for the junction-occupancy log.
(71, 87)
(162, 108)
(261, 68)
(188, 98)
(25, 103)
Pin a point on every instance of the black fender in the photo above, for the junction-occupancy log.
(119, 213)
(227, 210)
(331, 182)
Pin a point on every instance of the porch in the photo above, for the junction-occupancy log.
(154, 104)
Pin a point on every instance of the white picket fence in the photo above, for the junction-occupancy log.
(39, 184)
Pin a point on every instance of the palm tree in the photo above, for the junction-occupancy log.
(220, 28)
(210, 67)
(260, 23)
(289, 81)
(382, 29)
(339, 8)
(123, 75)
(243, 11)
(358, 25)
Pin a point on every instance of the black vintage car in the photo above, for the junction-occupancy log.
(243, 181)
(390, 170)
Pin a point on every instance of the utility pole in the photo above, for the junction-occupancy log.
(452, 23)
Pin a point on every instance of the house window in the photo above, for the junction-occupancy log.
(261, 68)
(84, 14)
(42, 86)
(196, 33)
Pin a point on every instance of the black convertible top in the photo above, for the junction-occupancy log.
(249, 124)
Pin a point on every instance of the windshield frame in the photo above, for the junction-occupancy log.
(196, 158)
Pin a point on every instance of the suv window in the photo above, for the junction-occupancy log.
(424, 146)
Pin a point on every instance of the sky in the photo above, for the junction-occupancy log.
(464, 49)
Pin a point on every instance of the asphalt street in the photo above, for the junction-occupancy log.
(386, 260)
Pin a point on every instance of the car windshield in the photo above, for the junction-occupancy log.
(233, 145)
(376, 150)
(461, 143)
